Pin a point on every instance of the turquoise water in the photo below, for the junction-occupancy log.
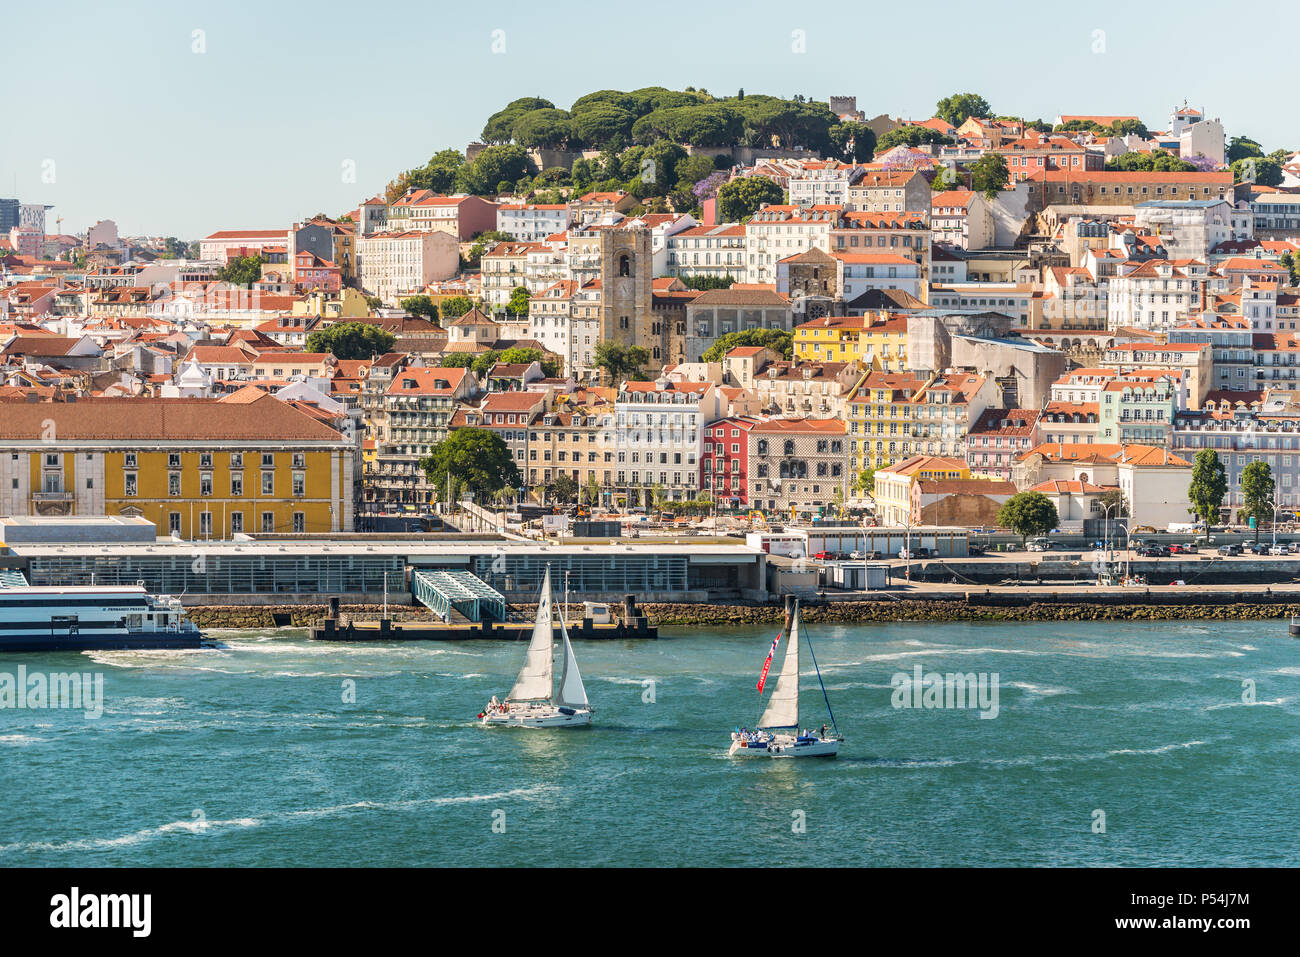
(247, 755)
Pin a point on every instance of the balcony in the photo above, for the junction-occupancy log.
(52, 496)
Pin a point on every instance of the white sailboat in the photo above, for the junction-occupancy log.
(536, 701)
(778, 734)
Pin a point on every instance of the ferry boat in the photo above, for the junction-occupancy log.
(92, 618)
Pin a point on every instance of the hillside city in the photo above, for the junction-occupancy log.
(690, 311)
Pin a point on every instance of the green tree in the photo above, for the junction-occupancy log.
(852, 142)
(1241, 147)
(439, 174)
(704, 281)
(545, 128)
(564, 488)
(1208, 487)
(351, 340)
(476, 459)
(242, 270)
(1257, 169)
(960, 107)
(910, 136)
(1158, 161)
(740, 198)
(520, 355)
(621, 363)
(988, 175)
(457, 360)
(420, 305)
(484, 361)
(453, 307)
(592, 489)
(867, 481)
(1257, 488)
(518, 302)
(778, 340)
(1028, 513)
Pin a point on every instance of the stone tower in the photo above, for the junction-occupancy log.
(626, 302)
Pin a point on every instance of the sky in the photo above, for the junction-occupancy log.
(180, 120)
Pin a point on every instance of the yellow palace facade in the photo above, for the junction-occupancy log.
(196, 468)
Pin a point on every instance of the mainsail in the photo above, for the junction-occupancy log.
(783, 707)
(534, 681)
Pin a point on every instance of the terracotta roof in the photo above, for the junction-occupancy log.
(142, 420)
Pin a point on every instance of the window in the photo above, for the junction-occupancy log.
(236, 460)
(268, 483)
(131, 487)
(174, 483)
(268, 460)
(129, 460)
(268, 522)
(236, 522)
(299, 522)
(299, 484)
(174, 523)
(236, 483)
(173, 460)
(205, 523)
(205, 460)
(205, 483)
(300, 458)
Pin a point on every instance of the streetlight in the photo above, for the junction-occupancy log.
(1105, 535)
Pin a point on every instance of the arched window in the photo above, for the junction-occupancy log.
(625, 265)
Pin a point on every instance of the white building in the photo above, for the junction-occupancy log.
(778, 232)
(716, 251)
(961, 218)
(822, 182)
(532, 222)
(393, 265)
(659, 435)
(1190, 228)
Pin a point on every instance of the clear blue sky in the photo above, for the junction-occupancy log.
(255, 131)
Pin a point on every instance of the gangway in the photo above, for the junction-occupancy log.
(440, 590)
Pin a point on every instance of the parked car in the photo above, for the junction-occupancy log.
(1229, 550)
(822, 556)
(975, 550)
(1039, 545)
(1278, 549)
(907, 553)
(1176, 549)
(1257, 548)
(1294, 548)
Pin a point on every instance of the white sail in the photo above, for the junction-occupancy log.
(783, 707)
(571, 694)
(534, 681)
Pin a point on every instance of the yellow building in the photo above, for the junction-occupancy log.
(829, 339)
(198, 468)
(347, 303)
(893, 492)
(881, 420)
(877, 341)
(882, 343)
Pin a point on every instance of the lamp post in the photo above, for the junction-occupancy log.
(1105, 535)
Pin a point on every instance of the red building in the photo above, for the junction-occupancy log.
(724, 461)
(312, 272)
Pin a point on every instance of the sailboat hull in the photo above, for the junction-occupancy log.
(538, 716)
(785, 746)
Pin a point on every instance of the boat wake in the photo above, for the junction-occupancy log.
(205, 827)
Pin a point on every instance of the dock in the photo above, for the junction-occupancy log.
(456, 627)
